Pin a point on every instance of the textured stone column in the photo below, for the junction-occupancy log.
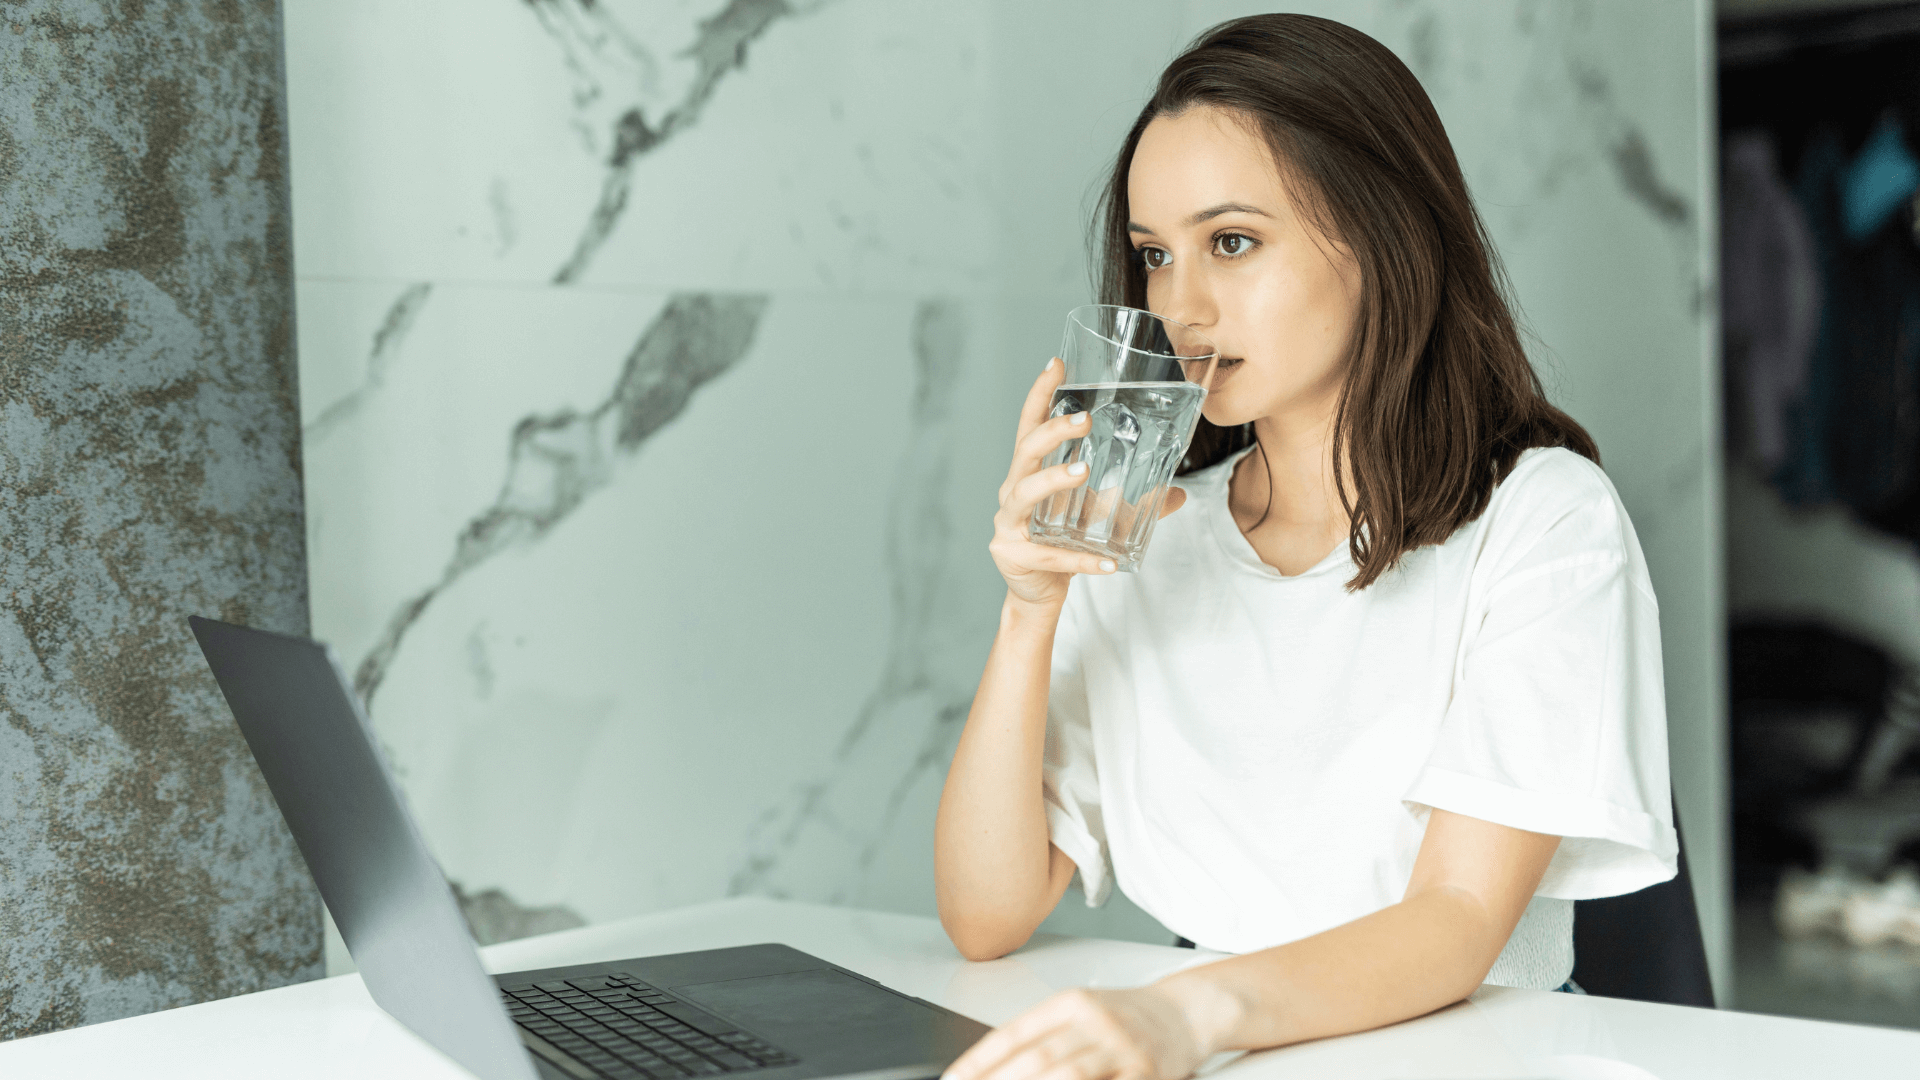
(149, 469)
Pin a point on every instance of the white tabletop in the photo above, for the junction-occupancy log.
(331, 1028)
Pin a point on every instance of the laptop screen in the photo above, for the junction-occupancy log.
(311, 739)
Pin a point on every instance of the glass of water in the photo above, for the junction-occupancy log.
(1141, 379)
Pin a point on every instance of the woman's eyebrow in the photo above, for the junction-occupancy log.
(1212, 212)
(1208, 214)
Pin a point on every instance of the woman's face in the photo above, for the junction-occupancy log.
(1227, 254)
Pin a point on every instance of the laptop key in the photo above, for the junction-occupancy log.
(696, 1018)
(561, 1058)
(732, 1060)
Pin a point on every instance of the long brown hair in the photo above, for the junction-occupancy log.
(1439, 398)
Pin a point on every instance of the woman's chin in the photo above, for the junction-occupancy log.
(1222, 411)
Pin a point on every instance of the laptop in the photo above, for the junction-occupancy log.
(768, 1012)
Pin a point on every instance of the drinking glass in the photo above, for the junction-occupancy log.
(1142, 379)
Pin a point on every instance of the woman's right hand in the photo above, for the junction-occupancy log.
(1037, 574)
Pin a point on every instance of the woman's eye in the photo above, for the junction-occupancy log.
(1153, 257)
(1232, 244)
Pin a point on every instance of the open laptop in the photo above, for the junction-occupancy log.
(763, 1011)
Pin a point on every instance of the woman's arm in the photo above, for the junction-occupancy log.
(996, 874)
(1471, 882)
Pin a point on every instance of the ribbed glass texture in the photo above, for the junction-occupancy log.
(1142, 380)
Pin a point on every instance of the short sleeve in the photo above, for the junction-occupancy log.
(1558, 718)
(1070, 782)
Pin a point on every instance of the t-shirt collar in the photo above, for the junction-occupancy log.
(1209, 486)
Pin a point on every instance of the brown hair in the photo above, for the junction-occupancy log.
(1439, 398)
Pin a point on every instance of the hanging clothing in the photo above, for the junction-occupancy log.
(1855, 433)
(1882, 176)
(1771, 299)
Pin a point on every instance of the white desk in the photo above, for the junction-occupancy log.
(330, 1028)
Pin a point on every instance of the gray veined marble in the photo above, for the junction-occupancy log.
(380, 359)
(555, 461)
(493, 916)
(1625, 147)
(914, 687)
(597, 49)
(595, 44)
(1574, 77)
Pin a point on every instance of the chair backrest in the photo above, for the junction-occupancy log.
(1645, 945)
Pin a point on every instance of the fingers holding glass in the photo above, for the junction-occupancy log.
(1033, 411)
(1032, 449)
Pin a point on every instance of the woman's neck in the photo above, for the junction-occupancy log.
(1283, 494)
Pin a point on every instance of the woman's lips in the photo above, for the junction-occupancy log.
(1226, 367)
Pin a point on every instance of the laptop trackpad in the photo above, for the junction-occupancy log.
(817, 998)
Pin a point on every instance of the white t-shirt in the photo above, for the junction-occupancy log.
(1253, 756)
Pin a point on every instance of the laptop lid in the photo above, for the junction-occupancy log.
(307, 731)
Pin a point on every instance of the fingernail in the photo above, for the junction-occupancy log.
(1077, 418)
(1076, 468)
(1107, 565)
(1050, 361)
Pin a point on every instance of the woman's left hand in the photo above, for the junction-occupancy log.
(1140, 1034)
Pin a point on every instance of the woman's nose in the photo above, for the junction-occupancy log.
(1188, 300)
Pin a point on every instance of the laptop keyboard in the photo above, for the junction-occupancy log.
(623, 1029)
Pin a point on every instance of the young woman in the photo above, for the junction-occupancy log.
(1386, 696)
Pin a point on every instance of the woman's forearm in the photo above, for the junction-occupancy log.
(1470, 886)
(1421, 954)
(996, 873)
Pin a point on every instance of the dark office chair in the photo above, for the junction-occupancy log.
(1645, 945)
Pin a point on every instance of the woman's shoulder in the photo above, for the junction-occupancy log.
(1553, 477)
(1555, 504)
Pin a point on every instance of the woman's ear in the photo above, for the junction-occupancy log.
(1176, 498)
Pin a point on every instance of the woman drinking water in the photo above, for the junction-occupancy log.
(1384, 698)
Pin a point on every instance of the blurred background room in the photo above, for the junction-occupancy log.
(1821, 304)
(658, 361)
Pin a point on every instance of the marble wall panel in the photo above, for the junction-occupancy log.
(149, 470)
(747, 144)
(768, 615)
